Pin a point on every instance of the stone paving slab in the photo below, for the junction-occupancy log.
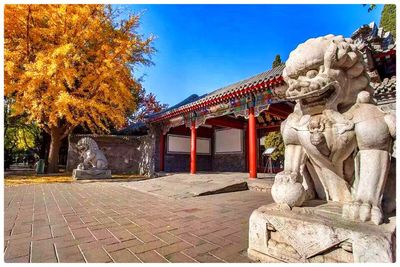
(183, 185)
(261, 185)
(107, 222)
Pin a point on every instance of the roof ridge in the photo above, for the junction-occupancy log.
(262, 76)
(248, 79)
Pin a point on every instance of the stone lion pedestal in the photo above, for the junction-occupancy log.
(91, 174)
(318, 233)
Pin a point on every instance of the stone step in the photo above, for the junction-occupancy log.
(241, 186)
(184, 185)
(260, 185)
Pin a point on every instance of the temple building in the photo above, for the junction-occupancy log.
(219, 131)
(379, 51)
(222, 130)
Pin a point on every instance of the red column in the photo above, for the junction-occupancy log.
(252, 144)
(247, 147)
(193, 148)
(162, 151)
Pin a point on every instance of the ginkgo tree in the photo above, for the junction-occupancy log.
(70, 65)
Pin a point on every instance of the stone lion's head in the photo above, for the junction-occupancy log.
(86, 144)
(325, 73)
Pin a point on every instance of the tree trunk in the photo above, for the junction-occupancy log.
(44, 146)
(55, 145)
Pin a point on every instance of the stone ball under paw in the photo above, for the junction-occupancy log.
(292, 194)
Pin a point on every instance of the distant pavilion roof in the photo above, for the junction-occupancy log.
(385, 92)
(262, 81)
(138, 128)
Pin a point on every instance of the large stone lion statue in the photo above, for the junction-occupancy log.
(338, 143)
(93, 157)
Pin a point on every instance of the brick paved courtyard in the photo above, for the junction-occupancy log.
(106, 222)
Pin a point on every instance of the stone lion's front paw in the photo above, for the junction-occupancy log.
(371, 213)
(362, 211)
(376, 215)
(286, 190)
(351, 211)
(365, 212)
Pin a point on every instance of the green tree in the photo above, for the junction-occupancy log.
(20, 136)
(388, 19)
(277, 61)
(370, 7)
(274, 139)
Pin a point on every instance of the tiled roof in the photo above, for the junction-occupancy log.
(187, 100)
(138, 128)
(262, 77)
(375, 37)
(385, 92)
(193, 100)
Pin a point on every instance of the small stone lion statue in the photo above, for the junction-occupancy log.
(338, 143)
(93, 157)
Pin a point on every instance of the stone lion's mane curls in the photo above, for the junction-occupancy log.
(343, 54)
(89, 143)
(331, 52)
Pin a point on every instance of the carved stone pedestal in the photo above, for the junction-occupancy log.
(91, 174)
(318, 233)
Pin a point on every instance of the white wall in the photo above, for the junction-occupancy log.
(180, 144)
(228, 141)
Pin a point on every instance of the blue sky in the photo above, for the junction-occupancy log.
(204, 47)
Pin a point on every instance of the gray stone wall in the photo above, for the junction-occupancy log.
(181, 163)
(147, 149)
(229, 162)
(156, 130)
(125, 154)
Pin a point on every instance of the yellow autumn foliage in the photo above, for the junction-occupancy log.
(29, 178)
(70, 65)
